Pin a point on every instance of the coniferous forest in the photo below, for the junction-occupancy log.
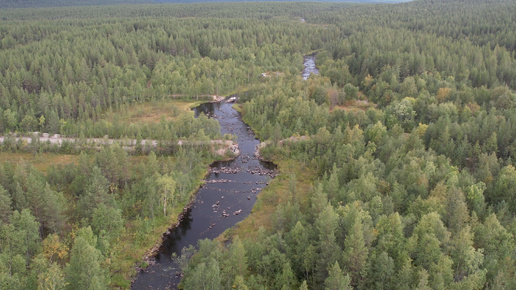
(395, 162)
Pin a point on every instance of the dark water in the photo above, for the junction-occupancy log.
(231, 187)
(310, 68)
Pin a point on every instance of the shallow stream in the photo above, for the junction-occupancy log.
(226, 198)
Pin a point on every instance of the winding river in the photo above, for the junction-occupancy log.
(226, 198)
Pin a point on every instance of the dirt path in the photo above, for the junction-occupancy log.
(222, 148)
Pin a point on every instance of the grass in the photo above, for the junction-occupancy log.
(238, 107)
(40, 161)
(277, 192)
(154, 111)
(136, 244)
(354, 106)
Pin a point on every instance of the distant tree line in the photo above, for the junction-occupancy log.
(408, 132)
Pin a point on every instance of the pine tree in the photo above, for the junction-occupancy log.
(28, 230)
(96, 193)
(457, 214)
(355, 254)
(84, 270)
(381, 271)
(5, 205)
(326, 225)
(337, 280)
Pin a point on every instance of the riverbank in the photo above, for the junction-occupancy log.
(294, 181)
(149, 257)
(226, 198)
(137, 246)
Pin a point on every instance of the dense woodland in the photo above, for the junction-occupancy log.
(65, 3)
(407, 136)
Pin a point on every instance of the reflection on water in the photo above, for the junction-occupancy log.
(208, 109)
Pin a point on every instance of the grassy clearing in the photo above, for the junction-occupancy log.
(153, 112)
(40, 161)
(354, 106)
(238, 107)
(277, 192)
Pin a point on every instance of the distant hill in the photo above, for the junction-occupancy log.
(211, 1)
(62, 3)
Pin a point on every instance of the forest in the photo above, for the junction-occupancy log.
(395, 162)
(66, 3)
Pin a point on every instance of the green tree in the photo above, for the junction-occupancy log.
(29, 236)
(427, 239)
(456, 216)
(298, 241)
(304, 286)
(467, 259)
(84, 270)
(5, 205)
(391, 238)
(167, 187)
(28, 123)
(505, 187)
(406, 276)
(204, 276)
(235, 265)
(351, 92)
(423, 280)
(52, 278)
(20, 242)
(327, 225)
(381, 271)
(239, 283)
(10, 120)
(96, 193)
(337, 280)
(475, 198)
(107, 219)
(113, 163)
(285, 279)
(355, 255)
(497, 242)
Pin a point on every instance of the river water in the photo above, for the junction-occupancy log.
(226, 198)
(310, 68)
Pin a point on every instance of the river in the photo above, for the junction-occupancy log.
(226, 198)
(310, 68)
